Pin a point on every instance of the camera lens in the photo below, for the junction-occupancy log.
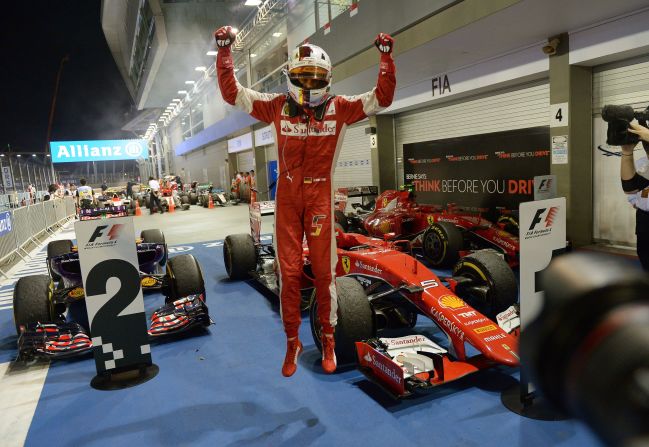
(588, 350)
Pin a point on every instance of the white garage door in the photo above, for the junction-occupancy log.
(354, 166)
(245, 161)
(527, 106)
(623, 83)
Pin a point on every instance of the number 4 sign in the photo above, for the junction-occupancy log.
(559, 115)
(111, 279)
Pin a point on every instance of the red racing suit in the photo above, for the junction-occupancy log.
(307, 152)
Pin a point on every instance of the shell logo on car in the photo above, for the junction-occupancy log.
(384, 227)
(483, 329)
(148, 281)
(76, 292)
(451, 302)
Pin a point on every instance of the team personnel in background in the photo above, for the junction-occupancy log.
(154, 196)
(253, 186)
(635, 182)
(85, 197)
(309, 124)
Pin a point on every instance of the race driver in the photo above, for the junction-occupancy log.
(309, 125)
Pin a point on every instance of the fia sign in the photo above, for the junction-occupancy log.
(441, 85)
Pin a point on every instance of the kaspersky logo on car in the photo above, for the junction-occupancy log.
(104, 236)
(542, 222)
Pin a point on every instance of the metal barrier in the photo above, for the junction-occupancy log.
(28, 223)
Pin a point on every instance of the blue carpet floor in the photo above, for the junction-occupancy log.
(223, 387)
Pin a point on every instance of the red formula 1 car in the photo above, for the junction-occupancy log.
(379, 287)
(444, 235)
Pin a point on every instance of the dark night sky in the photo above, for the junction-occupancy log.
(92, 99)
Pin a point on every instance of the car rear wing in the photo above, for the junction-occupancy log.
(342, 195)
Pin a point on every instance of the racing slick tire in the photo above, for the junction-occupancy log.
(341, 219)
(32, 300)
(147, 201)
(355, 320)
(184, 199)
(442, 243)
(155, 236)
(193, 198)
(486, 268)
(239, 255)
(509, 224)
(58, 248)
(185, 277)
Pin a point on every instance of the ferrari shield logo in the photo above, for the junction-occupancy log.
(346, 263)
(430, 219)
(385, 202)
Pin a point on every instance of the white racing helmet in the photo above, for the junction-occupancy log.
(309, 75)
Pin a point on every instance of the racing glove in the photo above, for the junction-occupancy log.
(224, 37)
(384, 42)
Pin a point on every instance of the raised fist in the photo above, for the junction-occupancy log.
(384, 42)
(224, 36)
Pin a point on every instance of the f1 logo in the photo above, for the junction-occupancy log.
(99, 232)
(549, 218)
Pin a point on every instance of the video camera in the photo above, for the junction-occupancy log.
(618, 119)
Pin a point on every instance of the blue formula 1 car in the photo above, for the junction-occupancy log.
(50, 310)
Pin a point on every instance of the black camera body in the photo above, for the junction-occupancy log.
(618, 119)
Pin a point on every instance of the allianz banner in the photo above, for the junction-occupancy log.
(98, 150)
(478, 171)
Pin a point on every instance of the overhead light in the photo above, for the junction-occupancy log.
(175, 100)
(277, 34)
(33, 155)
(190, 82)
(182, 92)
(18, 155)
(47, 155)
(200, 68)
(212, 53)
(252, 3)
(2, 155)
(253, 54)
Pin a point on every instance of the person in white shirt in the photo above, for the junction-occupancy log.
(154, 196)
(85, 195)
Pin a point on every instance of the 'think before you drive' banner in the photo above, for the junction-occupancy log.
(98, 150)
(481, 171)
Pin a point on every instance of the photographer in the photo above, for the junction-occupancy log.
(636, 184)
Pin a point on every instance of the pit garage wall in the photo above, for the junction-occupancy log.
(206, 165)
(354, 165)
(622, 83)
(514, 108)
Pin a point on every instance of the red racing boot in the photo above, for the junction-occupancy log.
(328, 353)
(293, 351)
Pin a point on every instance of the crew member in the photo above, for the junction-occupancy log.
(85, 197)
(154, 196)
(635, 182)
(253, 186)
(310, 123)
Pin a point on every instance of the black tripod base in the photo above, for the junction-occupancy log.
(124, 379)
(534, 407)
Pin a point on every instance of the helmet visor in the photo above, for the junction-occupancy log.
(309, 77)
